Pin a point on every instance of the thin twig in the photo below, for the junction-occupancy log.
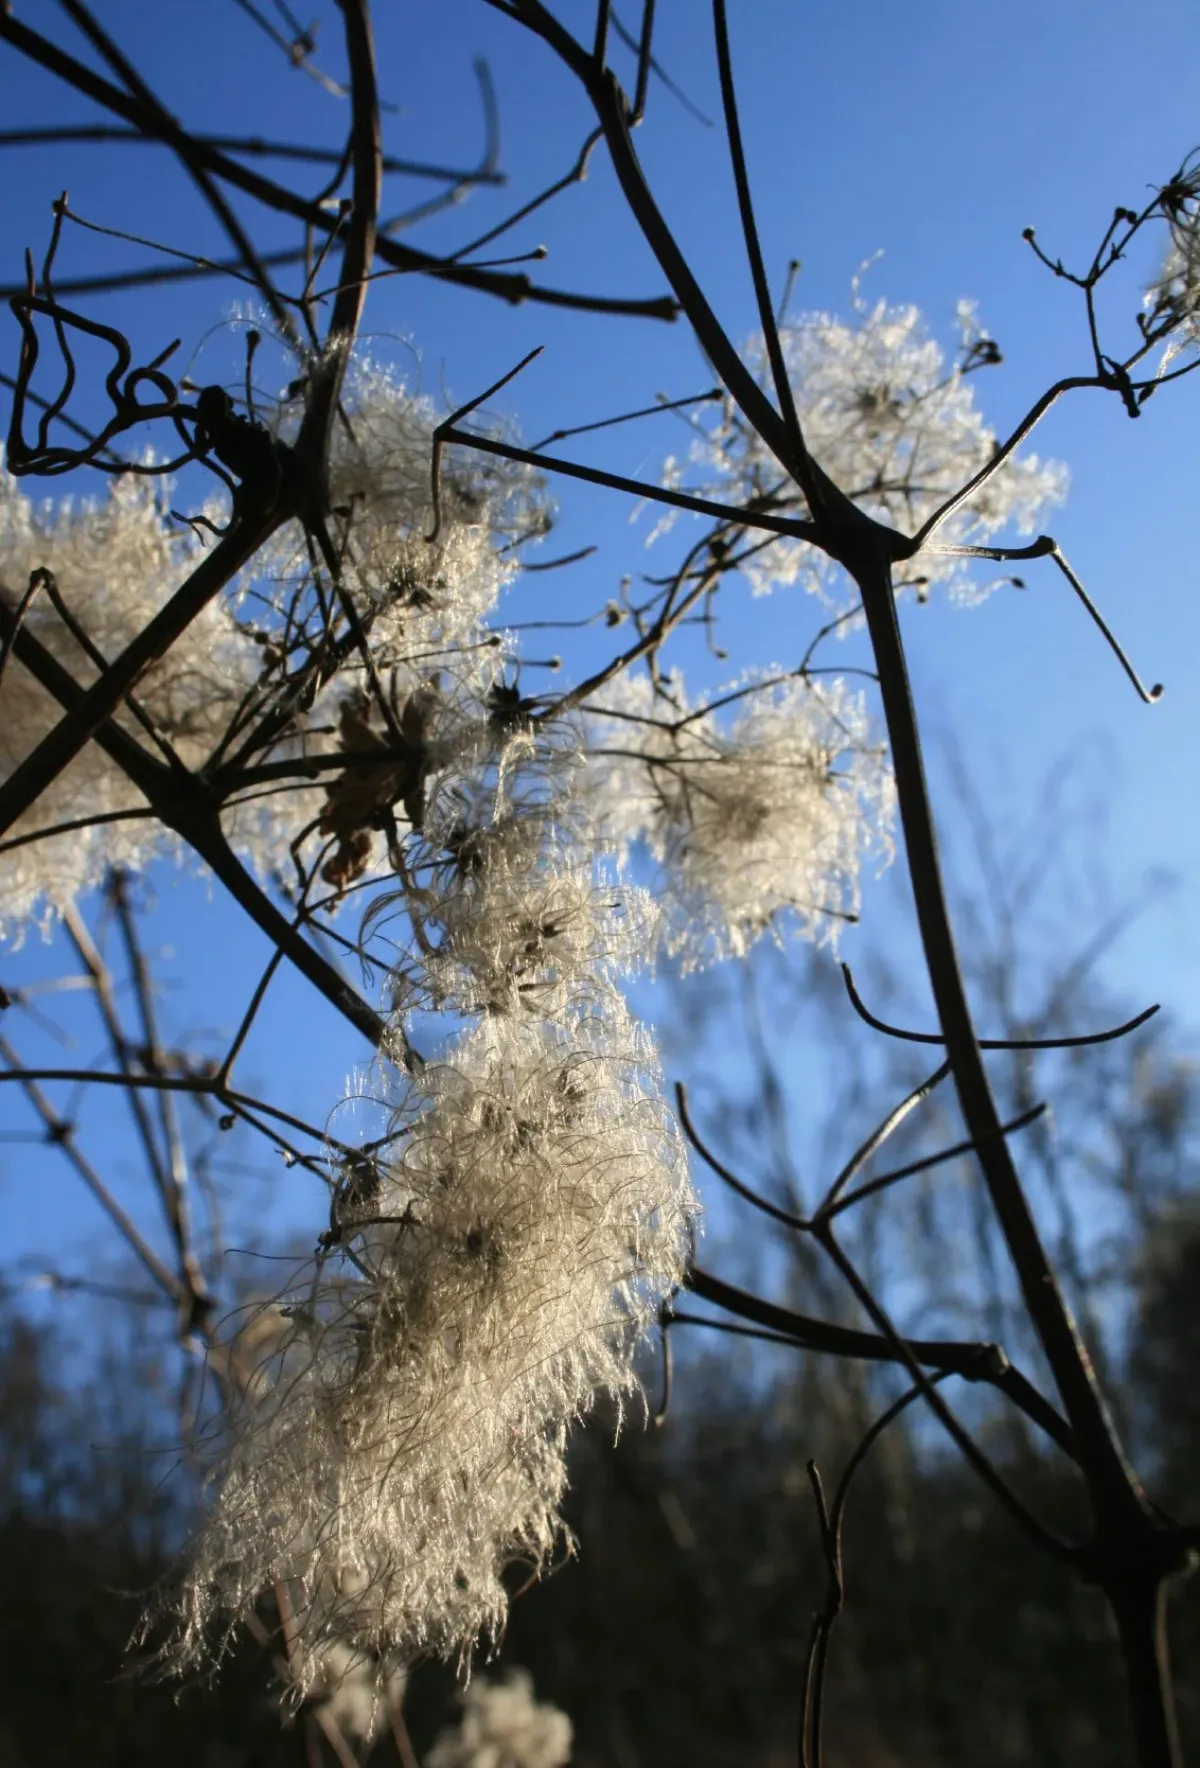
(955, 1152)
(995, 1043)
(879, 1136)
(975, 1360)
(61, 1133)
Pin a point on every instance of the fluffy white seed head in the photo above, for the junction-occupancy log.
(116, 561)
(503, 1726)
(423, 579)
(485, 1278)
(357, 1691)
(896, 427)
(757, 816)
(421, 597)
(521, 913)
(1174, 299)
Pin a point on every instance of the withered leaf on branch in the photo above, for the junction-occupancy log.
(360, 800)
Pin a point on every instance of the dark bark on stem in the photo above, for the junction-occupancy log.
(312, 444)
(1142, 1627)
(1132, 1552)
(1115, 1492)
(973, 1361)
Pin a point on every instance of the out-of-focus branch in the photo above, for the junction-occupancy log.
(175, 1174)
(61, 1133)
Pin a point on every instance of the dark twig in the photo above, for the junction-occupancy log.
(200, 1085)
(994, 1043)
(682, 500)
(735, 1329)
(829, 1210)
(660, 73)
(831, 1521)
(358, 249)
(645, 57)
(96, 703)
(188, 152)
(254, 147)
(174, 1172)
(626, 417)
(1045, 547)
(1147, 695)
(37, 581)
(195, 1292)
(811, 1712)
(69, 423)
(800, 1223)
(974, 1360)
(61, 1134)
(758, 270)
(665, 1316)
(980, 1463)
(878, 1137)
(572, 558)
(276, 196)
(576, 175)
(185, 805)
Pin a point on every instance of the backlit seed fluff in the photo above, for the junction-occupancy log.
(758, 817)
(896, 426)
(405, 1439)
(115, 561)
(503, 1726)
(420, 595)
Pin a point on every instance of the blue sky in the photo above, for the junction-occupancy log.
(932, 133)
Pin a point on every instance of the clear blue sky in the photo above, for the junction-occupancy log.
(933, 133)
